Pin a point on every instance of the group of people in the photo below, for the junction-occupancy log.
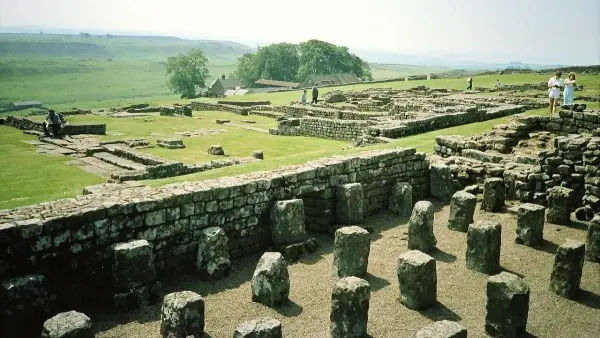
(556, 84)
(315, 95)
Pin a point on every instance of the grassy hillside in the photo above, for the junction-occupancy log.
(65, 71)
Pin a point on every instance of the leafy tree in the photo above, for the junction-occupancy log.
(247, 70)
(186, 73)
(320, 57)
(278, 61)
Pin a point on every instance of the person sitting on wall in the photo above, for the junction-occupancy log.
(55, 120)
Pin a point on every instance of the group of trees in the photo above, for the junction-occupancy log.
(279, 61)
(294, 63)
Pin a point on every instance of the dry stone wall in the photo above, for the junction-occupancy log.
(69, 240)
(334, 129)
(203, 106)
(23, 123)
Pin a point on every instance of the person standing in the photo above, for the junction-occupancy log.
(303, 97)
(554, 86)
(315, 94)
(498, 85)
(470, 81)
(569, 92)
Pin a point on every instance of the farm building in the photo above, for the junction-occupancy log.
(219, 86)
(329, 80)
(264, 83)
(24, 104)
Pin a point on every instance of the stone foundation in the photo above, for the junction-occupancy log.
(23, 123)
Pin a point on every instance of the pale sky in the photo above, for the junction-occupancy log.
(537, 31)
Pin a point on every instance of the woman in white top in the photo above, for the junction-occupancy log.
(569, 89)
(303, 97)
(555, 84)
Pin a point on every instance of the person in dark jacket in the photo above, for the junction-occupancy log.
(315, 94)
(55, 121)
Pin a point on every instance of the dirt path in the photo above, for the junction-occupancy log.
(461, 292)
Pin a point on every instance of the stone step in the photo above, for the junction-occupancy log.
(119, 161)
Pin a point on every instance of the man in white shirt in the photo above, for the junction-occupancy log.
(555, 85)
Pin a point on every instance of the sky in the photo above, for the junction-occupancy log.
(533, 31)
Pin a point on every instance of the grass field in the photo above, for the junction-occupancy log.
(26, 174)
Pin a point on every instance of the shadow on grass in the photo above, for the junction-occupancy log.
(588, 299)
(289, 309)
(442, 256)
(440, 312)
(377, 283)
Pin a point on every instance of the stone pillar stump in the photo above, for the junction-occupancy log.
(182, 315)
(483, 246)
(462, 209)
(350, 308)
(420, 227)
(493, 194)
(271, 280)
(400, 201)
(417, 277)
(568, 267)
(349, 203)
(507, 305)
(351, 251)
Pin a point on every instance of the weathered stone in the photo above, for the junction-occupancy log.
(483, 246)
(418, 279)
(258, 154)
(558, 199)
(24, 307)
(182, 315)
(265, 327)
(400, 201)
(213, 254)
(441, 182)
(462, 208)
(271, 281)
(530, 224)
(493, 194)
(216, 149)
(420, 227)
(349, 203)
(133, 265)
(592, 246)
(287, 222)
(70, 324)
(568, 267)
(585, 213)
(507, 306)
(351, 251)
(442, 329)
(350, 308)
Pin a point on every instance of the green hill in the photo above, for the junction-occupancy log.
(98, 71)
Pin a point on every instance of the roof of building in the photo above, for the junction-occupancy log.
(339, 78)
(232, 92)
(275, 83)
(227, 83)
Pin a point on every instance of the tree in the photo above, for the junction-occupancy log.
(278, 61)
(186, 73)
(320, 57)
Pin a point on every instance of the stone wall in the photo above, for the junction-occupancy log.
(69, 240)
(322, 112)
(69, 129)
(417, 126)
(331, 129)
(206, 106)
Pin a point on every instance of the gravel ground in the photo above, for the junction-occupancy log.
(461, 292)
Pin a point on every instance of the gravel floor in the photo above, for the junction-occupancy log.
(461, 292)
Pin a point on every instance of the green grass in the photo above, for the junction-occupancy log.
(28, 177)
(26, 174)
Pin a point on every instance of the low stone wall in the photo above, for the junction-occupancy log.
(417, 126)
(322, 112)
(204, 106)
(245, 103)
(175, 110)
(331, 129)
(68, 129)
(69, 240)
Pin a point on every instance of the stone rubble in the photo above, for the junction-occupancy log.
(442, 329)
(70, 324)
(265, 327)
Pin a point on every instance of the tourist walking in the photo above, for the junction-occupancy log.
(555, 84)
(303, 97)
(498, 85)
(470, 81)
(569, 92)
(315, 94)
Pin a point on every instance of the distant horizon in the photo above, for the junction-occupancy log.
(37, 29)
(485, 31)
